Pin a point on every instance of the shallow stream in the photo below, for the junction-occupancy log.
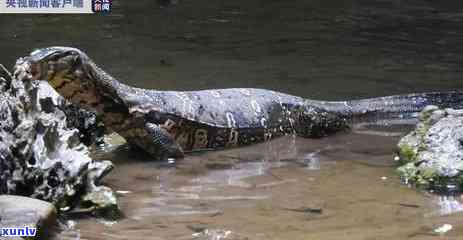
(340, 187)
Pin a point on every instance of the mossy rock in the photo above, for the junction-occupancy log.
(431, 156)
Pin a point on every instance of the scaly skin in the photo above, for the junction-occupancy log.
(167, 123)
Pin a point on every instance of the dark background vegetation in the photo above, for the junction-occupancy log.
(323, 49)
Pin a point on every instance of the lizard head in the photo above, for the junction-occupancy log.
(68, 71)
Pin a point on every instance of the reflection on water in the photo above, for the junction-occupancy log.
(236, 175)
(449, 205)
(220, 185)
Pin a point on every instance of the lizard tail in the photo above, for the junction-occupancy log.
(402, 107)
(382, 112)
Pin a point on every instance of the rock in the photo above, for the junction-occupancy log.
(197, 228)
(432, 154)
(41, 156)
(18, 211)
(213, 234)
(46, 99)
(90, 127)
(104, 201)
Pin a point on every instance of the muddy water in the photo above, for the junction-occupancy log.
(341, 187)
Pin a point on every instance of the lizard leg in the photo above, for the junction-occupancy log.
(157, 142)
(163, 142)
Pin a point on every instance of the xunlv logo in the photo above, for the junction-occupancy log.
(18, 232)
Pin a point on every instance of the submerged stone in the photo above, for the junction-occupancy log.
(17, 211)
(431, 156)
(104, 200)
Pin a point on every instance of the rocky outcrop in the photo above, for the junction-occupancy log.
(431, 156)
(41, 154)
